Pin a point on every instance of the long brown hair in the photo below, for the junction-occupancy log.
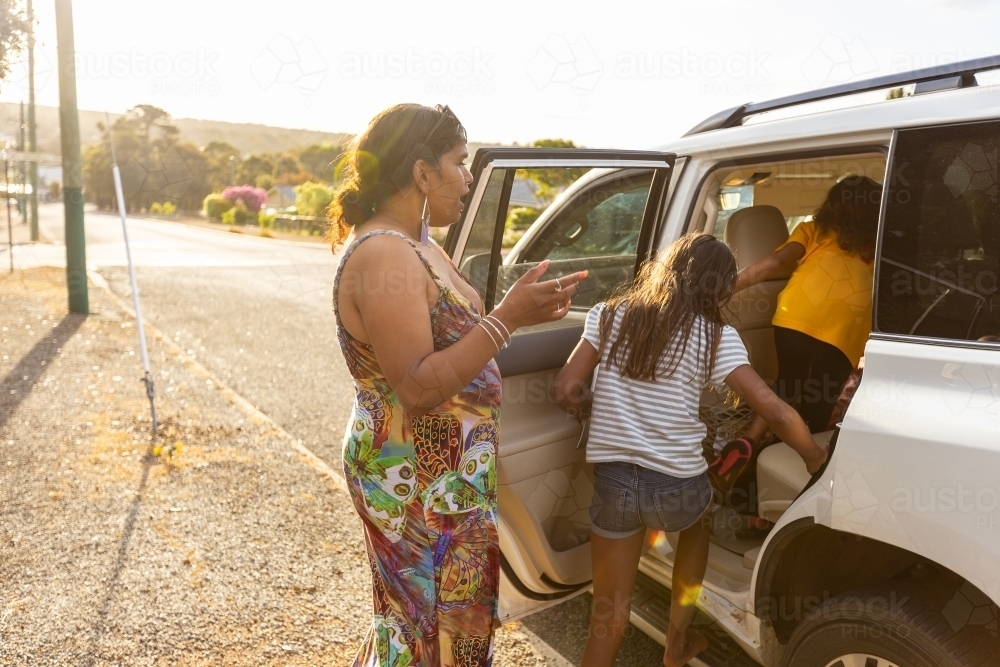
(850, 211)
(694, 278)
(378, 162)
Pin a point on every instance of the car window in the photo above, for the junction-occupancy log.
(476, 258)
(940, 255)
(598, 229)
(602, 220)
(731, 199)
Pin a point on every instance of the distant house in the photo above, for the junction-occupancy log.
(280, 196)
(523, 193)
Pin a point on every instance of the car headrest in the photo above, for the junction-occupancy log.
(753, 233)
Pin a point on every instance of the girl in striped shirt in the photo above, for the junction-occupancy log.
(658, 345)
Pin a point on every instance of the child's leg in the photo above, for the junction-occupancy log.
(615, 563)
(689, 572)
(829, 370)
(793, 364)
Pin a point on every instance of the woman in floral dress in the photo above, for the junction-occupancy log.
(420, 450)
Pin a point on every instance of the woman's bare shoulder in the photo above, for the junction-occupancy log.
(382, 250)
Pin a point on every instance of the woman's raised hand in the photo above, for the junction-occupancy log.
(531, 302)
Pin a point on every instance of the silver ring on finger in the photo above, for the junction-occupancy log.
(558, 285)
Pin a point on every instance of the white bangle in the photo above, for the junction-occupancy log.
(494, 318)
(505, 341)
(490, 335)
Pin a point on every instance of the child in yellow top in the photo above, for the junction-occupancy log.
(824, 314)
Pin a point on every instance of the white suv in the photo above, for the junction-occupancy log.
(890, 556)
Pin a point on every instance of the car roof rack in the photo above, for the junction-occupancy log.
(929, 79)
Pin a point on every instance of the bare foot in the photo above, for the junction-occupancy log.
(679, 655)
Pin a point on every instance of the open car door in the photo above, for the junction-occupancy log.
(604, 219)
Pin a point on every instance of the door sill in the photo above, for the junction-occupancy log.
(651, 614)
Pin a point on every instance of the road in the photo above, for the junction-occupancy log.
(257, 313)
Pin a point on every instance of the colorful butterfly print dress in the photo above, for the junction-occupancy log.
(425, 488)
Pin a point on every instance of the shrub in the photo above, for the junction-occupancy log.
(237, 214)
(518, 222)
(155, 208)
(169, 208)
(312, 198)
(265, 220)
(215, 205)
(253, 198)
(521, 217)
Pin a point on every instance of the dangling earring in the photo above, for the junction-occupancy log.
(425, 220)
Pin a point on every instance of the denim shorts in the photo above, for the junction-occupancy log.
(629, 498)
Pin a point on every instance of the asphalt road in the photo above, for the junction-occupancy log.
(257, 313)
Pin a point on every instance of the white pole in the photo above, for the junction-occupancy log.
(148, 376)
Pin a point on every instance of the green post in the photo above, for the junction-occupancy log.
(32, 164)
(69, 124)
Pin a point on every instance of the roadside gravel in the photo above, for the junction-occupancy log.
(233, 550)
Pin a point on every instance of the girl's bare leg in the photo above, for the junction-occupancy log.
(615, 564)
(689, 572)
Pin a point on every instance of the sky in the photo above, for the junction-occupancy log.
(620, 74)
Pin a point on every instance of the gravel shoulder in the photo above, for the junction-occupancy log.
(233, 549)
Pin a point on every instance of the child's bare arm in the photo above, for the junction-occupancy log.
(781, 417)
(571, 389)
(775, 265)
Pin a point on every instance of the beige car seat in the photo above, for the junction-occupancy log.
(781, 476)
(754, 233)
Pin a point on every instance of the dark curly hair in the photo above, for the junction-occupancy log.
(851, 212)
(379, 162)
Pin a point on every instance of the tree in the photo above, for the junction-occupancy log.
(252, 167)
(218, 164)
(553, 181)
(155, 165)
(320, 159)
(289, 171)
(13, 30)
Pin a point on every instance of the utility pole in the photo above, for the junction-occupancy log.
(22, 201)
(69, 124)
(32, 164)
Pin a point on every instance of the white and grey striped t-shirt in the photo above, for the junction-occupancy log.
(655, 424)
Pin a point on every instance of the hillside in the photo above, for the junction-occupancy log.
(248, 138)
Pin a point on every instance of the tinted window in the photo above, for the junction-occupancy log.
(940, 255)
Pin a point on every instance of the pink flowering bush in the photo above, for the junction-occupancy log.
(253, 198)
